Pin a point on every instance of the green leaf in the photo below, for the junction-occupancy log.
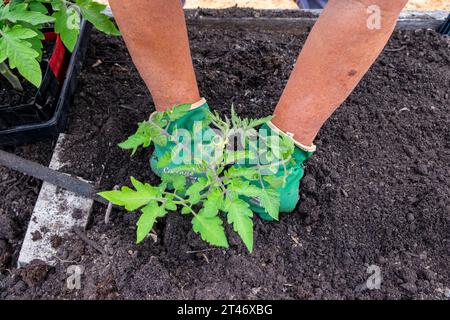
(37, 6)
(3, 55)
(206, 194)
(160, 140)
(274, 181)
(287, 147)
(160, 118)
(37, 29)
(242, 172)
(132, 199)
(20, 12)
(179, 111)
(269, 198)
(147, 219)
(170, 205)
(57, 4)
(270, 201)
(165, 160)
(210, 229)
(240, 216)
(139, 186)
(133, 142)
(238, 156)
(257, 122)
(142, 137)
(213, 203)
(93, 12)
(67, 24)
(194, 190)
(185, 210)
(36, 45)
(178, 181)
(20, 52)
(18, 32)
(244, 188)
(246, 124)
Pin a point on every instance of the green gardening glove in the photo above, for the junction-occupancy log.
(289, 193)
(186, 122)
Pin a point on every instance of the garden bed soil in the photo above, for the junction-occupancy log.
(11, 97)
(249, 13)
(375, 193)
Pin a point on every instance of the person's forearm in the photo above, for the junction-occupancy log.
(156, 36)
(338, 52)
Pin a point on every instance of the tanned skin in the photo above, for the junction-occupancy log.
(156, 35)
(338, 52)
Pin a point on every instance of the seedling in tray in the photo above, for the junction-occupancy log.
(21, 24)
(216, 177)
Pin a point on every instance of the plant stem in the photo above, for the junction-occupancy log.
(181, 201)
(218, 180)
(11, 77)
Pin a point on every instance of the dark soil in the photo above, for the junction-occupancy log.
(247, 13)
(18, 195)
(377, 192)
(11, 97)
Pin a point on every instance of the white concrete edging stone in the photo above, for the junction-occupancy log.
(56, 212)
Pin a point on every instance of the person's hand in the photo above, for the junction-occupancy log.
(197, 113)
(289, 192)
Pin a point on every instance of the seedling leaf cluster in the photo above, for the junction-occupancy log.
(217, 184)
(21, 24)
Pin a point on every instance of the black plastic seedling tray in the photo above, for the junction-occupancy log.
(46, 116)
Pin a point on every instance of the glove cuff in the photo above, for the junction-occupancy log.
(311, 148)
(198, 104)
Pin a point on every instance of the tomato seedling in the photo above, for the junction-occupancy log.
(21, 24)
(217, 179)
